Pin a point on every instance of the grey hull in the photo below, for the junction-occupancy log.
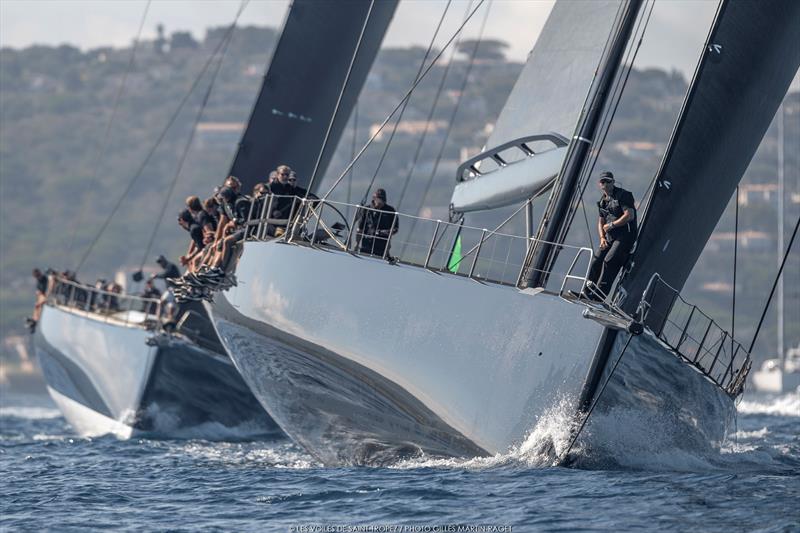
(111, 378)
(358, 360)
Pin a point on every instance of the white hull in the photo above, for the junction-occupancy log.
(355, 358)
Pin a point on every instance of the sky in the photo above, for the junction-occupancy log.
(676, 32)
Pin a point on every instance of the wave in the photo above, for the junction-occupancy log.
(279, 455)
(629, 440)
(30, 413)
(167, 424)
(786, 405)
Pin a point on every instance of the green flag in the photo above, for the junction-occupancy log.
(455, 257)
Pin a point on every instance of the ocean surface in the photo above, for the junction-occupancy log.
(51, 479)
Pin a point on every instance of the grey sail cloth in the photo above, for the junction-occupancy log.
(299, 93)
(550, 92)
(753, 54)
(552, 87)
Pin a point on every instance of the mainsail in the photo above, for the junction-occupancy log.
(752, 55)
(298, 98)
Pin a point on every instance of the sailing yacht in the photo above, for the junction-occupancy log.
(361, 358)
(109, 363)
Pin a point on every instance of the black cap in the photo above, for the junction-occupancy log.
(381, 193)
(186, 216)
(161, 259)
(606, 176)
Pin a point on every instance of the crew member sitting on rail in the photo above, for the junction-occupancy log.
(616, 226)
(41, 297)
(226, 202)
(194, 205)
(209, 219)
(377, 225)
(187, 222)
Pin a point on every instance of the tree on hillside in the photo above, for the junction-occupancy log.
(488, 49)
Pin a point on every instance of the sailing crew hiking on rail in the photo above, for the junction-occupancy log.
(616, 226)
(218, 225)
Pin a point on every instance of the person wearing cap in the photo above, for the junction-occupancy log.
(377, 225)
(616, 226)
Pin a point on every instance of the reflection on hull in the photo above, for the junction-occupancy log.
(107, 378)
(413, 366)
(655, 401)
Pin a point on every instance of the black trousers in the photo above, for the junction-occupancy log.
(607, 263)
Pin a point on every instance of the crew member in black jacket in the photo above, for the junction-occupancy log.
(377, 225)
(616, 226)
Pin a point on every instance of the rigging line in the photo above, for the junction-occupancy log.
(774, 285)
(735, 257)
(107, 133)
(453, 114)
(353, 149)
(405, 104)
(588, 228)
(185, 153)
(153, 148)
(594, 404)
(497, 228)
(339, 99)
(397, 107)
(618, 91)
(428, 119)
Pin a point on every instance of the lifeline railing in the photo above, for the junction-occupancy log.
(103, 305)
(486, 255)
(694, 335)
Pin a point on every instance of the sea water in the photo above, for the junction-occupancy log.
(52, 479)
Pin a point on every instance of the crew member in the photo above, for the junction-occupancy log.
(377, 225)
(616, 226)
(168, 271)
(41, 297)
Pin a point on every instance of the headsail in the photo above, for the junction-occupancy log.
(303, 82)
(547, 98)
(552, 87)
(751, 57)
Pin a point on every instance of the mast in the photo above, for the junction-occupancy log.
(544, 254)
(306, 78)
